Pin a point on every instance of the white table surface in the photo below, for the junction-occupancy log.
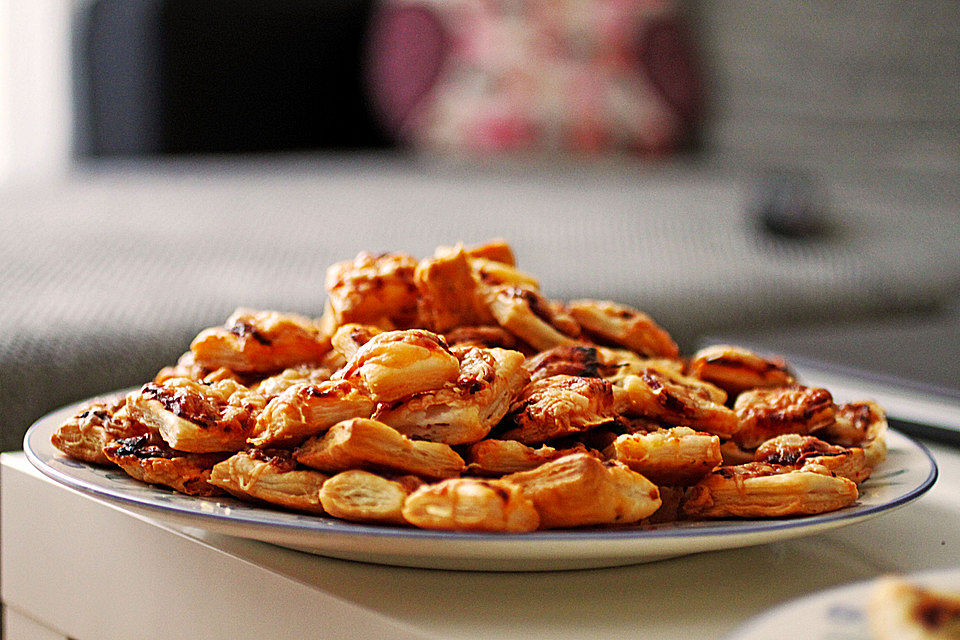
(85, 569)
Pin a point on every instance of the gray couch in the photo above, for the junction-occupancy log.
(108, 273)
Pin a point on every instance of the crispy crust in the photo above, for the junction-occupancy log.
(269, 476)
(471, 504)
(768, 412)
(661, 397)
(362, 496)
(794, 450)
(579, 490)
(196, 417)
(374, 289)
(558, 406)
(526, 314)
(360, 443)
(464, 411)
(760, 490)
(735, 369)
(449, 292)
(260, 342)
(273, 386)
(501, 457)
(617, 324)
(396, 364)
(99, 423)
(149, 459)
(678, 456)
(306, 410)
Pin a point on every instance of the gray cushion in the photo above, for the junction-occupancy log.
(107, 274)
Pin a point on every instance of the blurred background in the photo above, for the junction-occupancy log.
(783, 174)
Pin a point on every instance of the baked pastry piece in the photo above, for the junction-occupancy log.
(901, 610)
(619, 325)
(859, 424)
(305, 410)
(273, 386)
(149, 459)
(761, 490)
(471, 504)
(462, 411)
(348, 339)
(532, 318)
(187, 367)
(84, 435)
(360, 443)
(676, 400)
(197, 417)
(260, 342)
(500, 457)
(578, 490)
(396, 364)
(794, 450)
(362, 496)
(272, 476)
(497, 250)
(558, 406)
(486, 336)
(677, 456)
(374, 289)
(735, 369)
(768, 412)
(449, 292)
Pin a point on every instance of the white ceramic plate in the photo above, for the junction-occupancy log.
(834, 614)
(908, 472)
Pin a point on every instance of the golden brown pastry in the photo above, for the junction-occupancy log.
(362, 496)
(677, 456)
(898, 609)
(579, 490)
(305, 410)
(559, 406)
(859, 424)
(500, 457)
(197, 417)
(272, 476)
(617, 324)
(149, 459)
(360, 443)
(273, 386)
(772, 411)
(187, 367)
(396, 364)
(497, 250)
(449, 292)
(260, 342)
(84, 435)
(761, 490)
(486, 336)
(471, 504)
(662, 397)
(532, 318)
(462, 411)
(794, 450)
(735, 369)
(373, 289)
(348, 339)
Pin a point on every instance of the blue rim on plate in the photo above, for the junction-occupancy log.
(881, 493)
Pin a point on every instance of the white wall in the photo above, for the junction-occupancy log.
(35, 94)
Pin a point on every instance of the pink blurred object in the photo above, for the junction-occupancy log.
(581, 76)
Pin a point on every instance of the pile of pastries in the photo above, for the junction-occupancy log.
(449, 393)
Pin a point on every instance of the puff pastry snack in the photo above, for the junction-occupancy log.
(452, 393)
